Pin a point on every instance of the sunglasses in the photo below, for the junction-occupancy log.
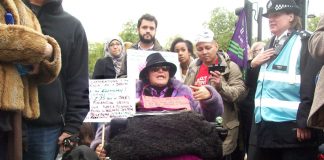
(157, 68)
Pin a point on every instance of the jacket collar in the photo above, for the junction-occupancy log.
(156, 46)
(52, 6)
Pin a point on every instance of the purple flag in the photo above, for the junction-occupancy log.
(238, 46)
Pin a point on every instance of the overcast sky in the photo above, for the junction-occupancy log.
(102, 18)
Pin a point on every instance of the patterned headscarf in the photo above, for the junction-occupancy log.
(117, 60)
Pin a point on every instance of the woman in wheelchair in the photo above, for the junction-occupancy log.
(183, 135)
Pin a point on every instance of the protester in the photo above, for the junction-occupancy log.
(109, 66)
(146, 28)
(157, 80)
(285, 89)
(184, 48)
(26, 59)
(317, 51)
(64, 103)
(87, 134)
(256, 48)
(226, 79)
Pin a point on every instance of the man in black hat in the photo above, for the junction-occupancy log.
(285, 89)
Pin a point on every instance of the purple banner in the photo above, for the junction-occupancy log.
(238, 46)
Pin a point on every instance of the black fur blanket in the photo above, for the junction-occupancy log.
(153, 137)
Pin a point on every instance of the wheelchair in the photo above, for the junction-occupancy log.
(156, 136)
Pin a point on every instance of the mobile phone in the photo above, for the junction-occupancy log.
(9, 18)
(218, 68)
(22, 69)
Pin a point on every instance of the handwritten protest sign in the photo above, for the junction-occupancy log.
(169, 103)
(110, 98)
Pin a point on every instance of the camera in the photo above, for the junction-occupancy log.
(218, 68)
(71, 142)
(222, 132)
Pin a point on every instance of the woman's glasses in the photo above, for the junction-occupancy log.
(257, 51)
(114, 44)
(157, 68)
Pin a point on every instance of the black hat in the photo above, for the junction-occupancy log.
(156, 59)
(274, 6)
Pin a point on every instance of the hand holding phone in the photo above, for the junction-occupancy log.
(218, 68)
(215, 77)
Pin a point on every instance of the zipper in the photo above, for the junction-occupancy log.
(63, 120)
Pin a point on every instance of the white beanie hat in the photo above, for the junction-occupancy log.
(205, 36)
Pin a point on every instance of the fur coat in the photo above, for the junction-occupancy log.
(24, 43)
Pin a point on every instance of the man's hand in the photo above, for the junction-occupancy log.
(200, 93)
(303, 134)
(262, 58)
(100, 151)
(61, 139)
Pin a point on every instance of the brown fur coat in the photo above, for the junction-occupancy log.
(24, 43)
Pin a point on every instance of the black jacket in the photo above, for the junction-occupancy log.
(65, 101)
(104, 69)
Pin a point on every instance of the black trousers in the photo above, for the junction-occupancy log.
(306, 153)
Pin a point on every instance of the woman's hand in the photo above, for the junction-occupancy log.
(262, 58)
(200, 92)
(48, 54)
(215, 79)
(100, 151)
(303, 134)
(48, 51)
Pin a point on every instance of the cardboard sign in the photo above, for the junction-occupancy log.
(110, 98)
(168, 103)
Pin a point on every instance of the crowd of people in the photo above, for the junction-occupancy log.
(272, 113)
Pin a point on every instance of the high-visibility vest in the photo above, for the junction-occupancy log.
(277, 96)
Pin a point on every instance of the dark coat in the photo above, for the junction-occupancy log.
(65, 101)
(104, 69)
